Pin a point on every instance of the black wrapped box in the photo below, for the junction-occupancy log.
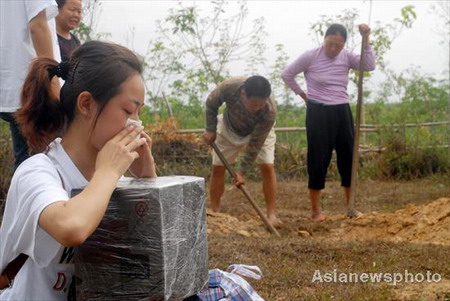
(150, 245)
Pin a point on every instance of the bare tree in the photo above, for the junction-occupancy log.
(194, 49)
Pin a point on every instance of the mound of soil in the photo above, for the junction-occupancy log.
(428, 223)
(221, 223)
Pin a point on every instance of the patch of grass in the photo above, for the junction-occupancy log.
(290, 263)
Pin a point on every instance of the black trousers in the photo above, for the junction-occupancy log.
(20, 146)
(328, 128)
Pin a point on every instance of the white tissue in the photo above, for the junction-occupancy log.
(135, 123)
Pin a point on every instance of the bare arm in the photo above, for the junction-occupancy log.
(42, 42)
(41, 35)
(72, 222)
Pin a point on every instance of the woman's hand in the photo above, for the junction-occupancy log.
(364, 29)
(118, 153)
(144, 166)
(304, 96)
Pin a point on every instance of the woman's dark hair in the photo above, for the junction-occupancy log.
(60, 3)
(337, 29)
(96, 67)
(258, 86)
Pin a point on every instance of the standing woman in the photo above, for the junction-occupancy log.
(68, 18)
(329, 120)
(103, 88)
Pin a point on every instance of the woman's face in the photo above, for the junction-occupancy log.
(333, 44)
(69, 16)
(126, 104)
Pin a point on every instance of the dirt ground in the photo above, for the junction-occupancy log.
(405, 229)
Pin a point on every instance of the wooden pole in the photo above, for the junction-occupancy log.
(244, 190)
(169, 108)
(355, 160)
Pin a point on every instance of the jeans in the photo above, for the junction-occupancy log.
(20, 146)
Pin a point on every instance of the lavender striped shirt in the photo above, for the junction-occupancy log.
(326, 78)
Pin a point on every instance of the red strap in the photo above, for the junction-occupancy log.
(11, 270)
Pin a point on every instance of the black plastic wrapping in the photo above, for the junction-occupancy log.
(150, 245)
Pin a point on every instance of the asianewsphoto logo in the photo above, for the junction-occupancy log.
(394, 278)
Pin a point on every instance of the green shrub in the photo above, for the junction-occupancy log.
(405, 162)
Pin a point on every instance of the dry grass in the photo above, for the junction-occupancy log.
(289, 263)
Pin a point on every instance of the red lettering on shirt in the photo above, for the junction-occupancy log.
(60, 283)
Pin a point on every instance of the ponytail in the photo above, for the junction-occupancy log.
(40, 118)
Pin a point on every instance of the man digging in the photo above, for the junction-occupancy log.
(246, 124)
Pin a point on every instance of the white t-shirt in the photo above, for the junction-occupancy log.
(16, 47)
(38, 182)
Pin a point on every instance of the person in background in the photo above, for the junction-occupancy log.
(329, 120)
(247, 122)
(103, 88)
(68, 18)
(27, 30)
